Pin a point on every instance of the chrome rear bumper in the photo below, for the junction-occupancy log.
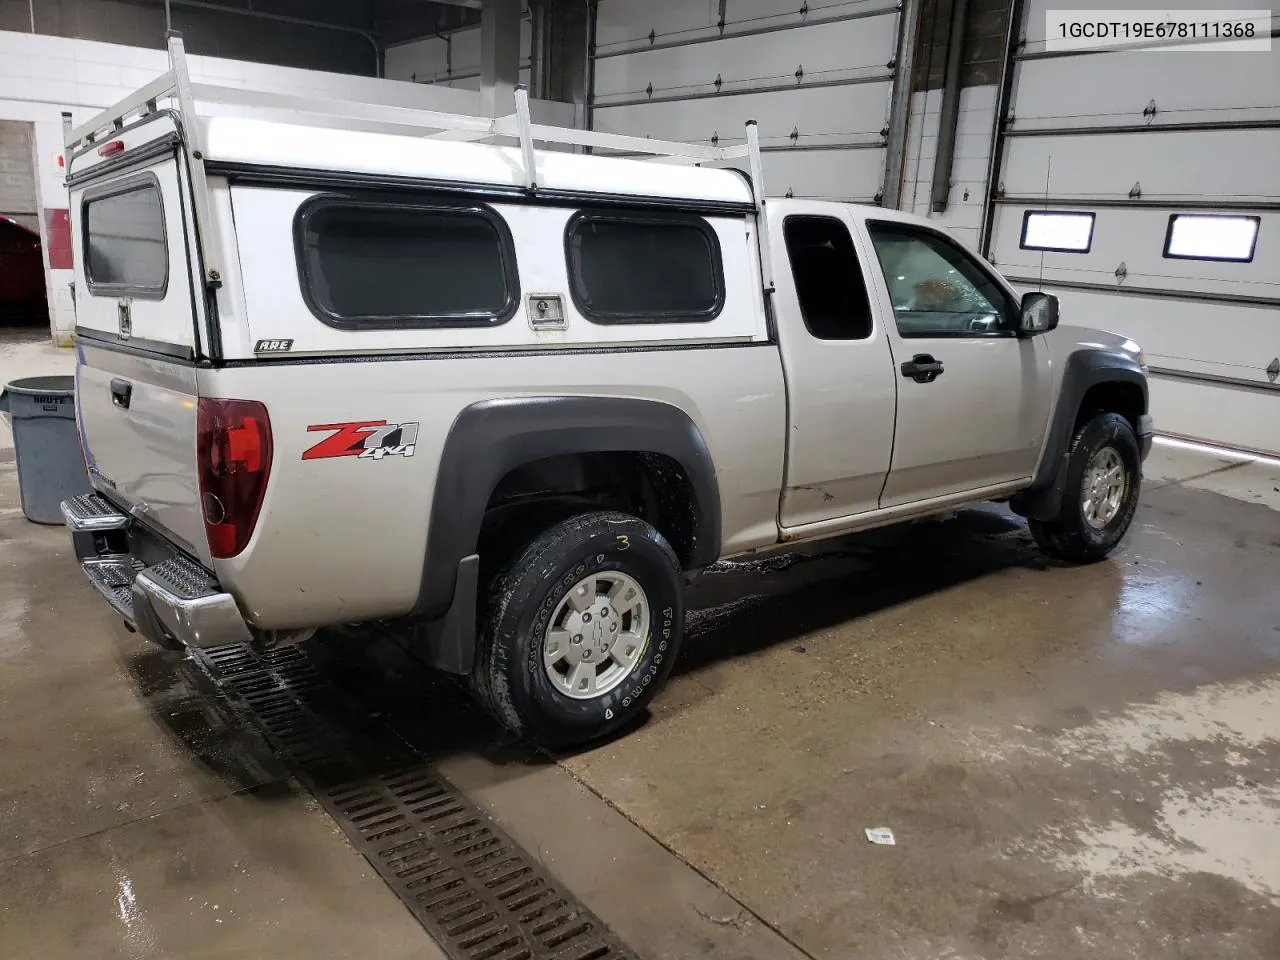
(174, 602)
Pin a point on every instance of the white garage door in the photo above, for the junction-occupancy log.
(1159, 170)
(816, 75)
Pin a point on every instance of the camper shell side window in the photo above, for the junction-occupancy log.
(369, 261)
(644, 267)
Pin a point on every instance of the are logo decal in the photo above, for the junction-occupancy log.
(365, 439)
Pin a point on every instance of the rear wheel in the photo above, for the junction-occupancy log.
(582, 629)
(1104, 478)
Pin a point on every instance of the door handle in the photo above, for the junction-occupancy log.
(922, 368)
(121, 392)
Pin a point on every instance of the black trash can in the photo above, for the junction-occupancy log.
(42, 412)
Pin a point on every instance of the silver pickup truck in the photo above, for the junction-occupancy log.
(508, 398)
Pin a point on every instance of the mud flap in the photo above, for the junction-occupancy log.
(1043, 503)
(449, 643)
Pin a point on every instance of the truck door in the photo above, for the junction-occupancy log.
(840, 380)
(136, 345)
(973, 396)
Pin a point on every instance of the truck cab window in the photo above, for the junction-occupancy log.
(829, 283)
(937, 289)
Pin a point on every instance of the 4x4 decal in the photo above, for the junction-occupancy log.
(366, 439)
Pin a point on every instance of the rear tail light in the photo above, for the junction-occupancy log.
(233, 449)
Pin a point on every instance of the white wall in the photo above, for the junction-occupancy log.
(968, 172)
(42, 76)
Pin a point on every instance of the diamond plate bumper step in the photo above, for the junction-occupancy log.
(477, 893)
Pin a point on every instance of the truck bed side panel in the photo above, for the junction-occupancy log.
(343, 537)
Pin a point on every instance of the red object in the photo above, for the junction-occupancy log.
(347, 440)
(21, 267)
(57, 227)
(111, 149)
(233, 450)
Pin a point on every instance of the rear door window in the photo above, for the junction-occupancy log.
(829, 284)
(124, 240)
(405, 263)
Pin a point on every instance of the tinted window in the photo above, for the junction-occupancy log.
(937, 288)
(124, 241)
(829, 283)
(402, 263)
(639, 268)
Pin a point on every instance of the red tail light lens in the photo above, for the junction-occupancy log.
(233, 448)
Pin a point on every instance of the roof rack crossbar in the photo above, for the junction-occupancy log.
(139, 102)
(176, 84)
(438, 124)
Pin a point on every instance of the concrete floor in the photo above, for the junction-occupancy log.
(1075, 762)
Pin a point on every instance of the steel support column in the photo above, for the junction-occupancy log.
(499, 56)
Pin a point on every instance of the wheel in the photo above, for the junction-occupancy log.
(581, 630)
(1104, 478)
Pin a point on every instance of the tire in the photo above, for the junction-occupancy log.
(1077, 534)
(513, 677)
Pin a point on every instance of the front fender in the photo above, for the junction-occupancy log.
(1083, 370)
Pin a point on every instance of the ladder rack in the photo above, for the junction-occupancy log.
(175, 84)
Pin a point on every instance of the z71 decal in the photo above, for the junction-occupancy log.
(366, 439)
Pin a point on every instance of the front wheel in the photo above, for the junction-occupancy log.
(582, 629)
(1104, 478)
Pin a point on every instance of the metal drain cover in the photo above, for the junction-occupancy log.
(478, 893)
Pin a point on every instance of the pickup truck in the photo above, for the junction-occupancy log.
(508, 399)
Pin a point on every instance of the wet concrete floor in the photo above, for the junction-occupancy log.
(1074, 762)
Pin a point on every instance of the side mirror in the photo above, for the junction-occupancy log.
(1039, 313)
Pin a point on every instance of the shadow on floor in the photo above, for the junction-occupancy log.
(734, 609)
(740, 608)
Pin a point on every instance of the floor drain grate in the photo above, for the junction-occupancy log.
(478, 893)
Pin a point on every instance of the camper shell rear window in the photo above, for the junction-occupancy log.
(125, 250)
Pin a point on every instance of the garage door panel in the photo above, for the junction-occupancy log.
(852, 175)
(1212, 339)
(758, 13)
(1230, 415)
(625, 24)
(816, 77)
(1233, 164)
(619, 21)
(1201, 322)
(1036, 10)
(839, 51)
(819, 115)
(1137, 238)
(1117, 87)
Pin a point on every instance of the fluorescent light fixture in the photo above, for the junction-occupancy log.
(1211, 237)
(1058, 230)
